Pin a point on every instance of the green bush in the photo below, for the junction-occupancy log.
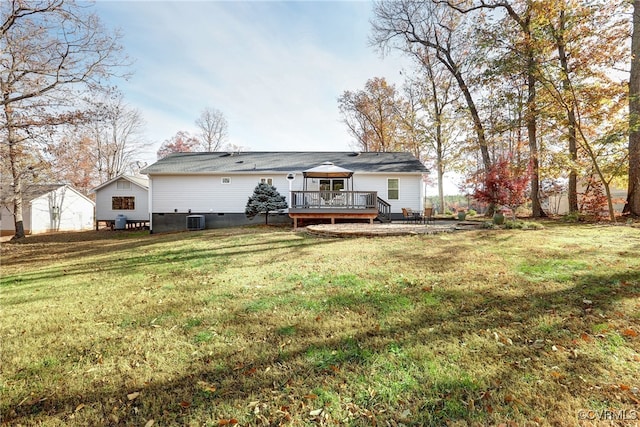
(573, 217)
(522, 225)
(472, 212)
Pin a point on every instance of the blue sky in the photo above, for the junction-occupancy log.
(275, 69)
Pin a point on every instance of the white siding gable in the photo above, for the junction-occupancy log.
(104, 195)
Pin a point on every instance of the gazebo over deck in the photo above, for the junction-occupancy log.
(335, 198)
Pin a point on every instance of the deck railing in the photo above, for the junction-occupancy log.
(334, 199)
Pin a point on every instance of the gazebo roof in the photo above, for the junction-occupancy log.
(327, 170)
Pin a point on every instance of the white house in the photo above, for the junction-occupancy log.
(47, 208)
(215, 186)
(124, 195)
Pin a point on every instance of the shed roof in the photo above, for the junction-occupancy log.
(31, 192)
(140, 181)
(283, 161)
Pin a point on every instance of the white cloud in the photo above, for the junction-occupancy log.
(275, 69)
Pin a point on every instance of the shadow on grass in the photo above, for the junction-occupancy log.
(145, 263)
(292, 378)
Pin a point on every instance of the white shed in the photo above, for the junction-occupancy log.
(48, 208)
(123, 195)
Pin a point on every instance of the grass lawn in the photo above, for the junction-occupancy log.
(266, 326)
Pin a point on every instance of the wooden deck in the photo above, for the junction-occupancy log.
(332, 205)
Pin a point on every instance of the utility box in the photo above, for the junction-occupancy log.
(121, 222)
(195, 222)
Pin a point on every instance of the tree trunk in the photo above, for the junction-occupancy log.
(633, 191)
(439, 154)
(16, 173)
(532, 112)
(571, 118)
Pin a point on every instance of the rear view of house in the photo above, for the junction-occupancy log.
(214, 187)
(48, 208)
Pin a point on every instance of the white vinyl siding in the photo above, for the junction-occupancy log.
(123, 184)
(207, 193)
(63, 209)
(104, 203)
(409, 189)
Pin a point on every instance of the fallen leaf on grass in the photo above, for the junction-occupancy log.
(229, 422)
(149, 423)
(629, 333)
(557, 375)
(316, 412)
(185, 404)
(586, 337)
(133, 395)
(205, 386)
(310, 396)
(79, 407)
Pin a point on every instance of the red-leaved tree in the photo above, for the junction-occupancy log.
(503, 184)
(181, 142)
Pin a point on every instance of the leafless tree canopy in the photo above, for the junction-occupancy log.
(213, 129)
(50, 50)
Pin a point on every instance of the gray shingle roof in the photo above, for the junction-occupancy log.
(29, 191)
(283, 161)
(140, 181)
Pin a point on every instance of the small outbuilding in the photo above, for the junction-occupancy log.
(48, 208)
(123, 202)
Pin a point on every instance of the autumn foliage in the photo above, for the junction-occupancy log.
(503, 184)
(181, 142)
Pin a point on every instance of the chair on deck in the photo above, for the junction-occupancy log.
(427, 216)
(409, 215)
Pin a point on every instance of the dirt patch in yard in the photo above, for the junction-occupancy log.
(395, 229)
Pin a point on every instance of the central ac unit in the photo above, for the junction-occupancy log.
(195, 222)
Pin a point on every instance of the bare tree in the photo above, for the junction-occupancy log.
(49, 48)
(214, 129)
(406, 24)
(116, 130)
(439, 101)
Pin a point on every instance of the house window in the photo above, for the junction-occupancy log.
(226, 180)
(393, 189)
(119, 203)
(266, 181)
(123, 184)
(331, 184)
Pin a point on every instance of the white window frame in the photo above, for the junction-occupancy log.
(266, 181)
(397, 189)
(123, 184)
